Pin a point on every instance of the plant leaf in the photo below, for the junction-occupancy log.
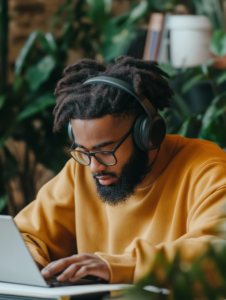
(116, 41)
(3, 202)
(111, 51)
(38, 105)
(216, 109)
(17, 84)
(218, 43)
(168, 68)
(51, 41)
(120, 19)
(192, 82)
(47, 42)
(191, 127)
(215, 132)
(98, 12)
(20, 62)
(213, 10)
(2, 100)
(214, 122)
(108, 5)
(161, 5)
(138, 12)
(221, 78)
(62, 9)
(39, 73)
(182, 105)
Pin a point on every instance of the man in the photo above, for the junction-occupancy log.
(115, 205)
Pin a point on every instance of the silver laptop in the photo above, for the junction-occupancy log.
(16, 263)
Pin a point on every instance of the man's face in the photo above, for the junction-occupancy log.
(114, 183)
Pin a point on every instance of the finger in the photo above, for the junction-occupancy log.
(82, 272)
(61, 264)
(70, 271)
(55, 267)
(95, 267)
(91, 269)
(71, 259)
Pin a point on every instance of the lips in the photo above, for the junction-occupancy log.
(106, 180)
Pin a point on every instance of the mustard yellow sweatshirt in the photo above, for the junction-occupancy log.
(179, 201)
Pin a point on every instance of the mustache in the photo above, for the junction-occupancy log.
(95, 175)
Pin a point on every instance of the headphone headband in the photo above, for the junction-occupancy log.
(123, 85)
(149, 130)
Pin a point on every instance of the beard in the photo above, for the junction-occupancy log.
(132, 173)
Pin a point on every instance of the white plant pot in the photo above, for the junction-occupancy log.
(189, 40)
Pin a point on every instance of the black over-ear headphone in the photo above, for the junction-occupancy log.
(149, 130)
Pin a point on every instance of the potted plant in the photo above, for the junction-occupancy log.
(214, 10)
(189, 40)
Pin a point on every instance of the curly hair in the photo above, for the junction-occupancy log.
(78, 101)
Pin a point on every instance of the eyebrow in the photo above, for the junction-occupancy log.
(97, 146)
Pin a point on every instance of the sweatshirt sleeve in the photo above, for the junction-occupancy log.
(48, 223)
(205, 209)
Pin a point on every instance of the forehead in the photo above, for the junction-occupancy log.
(92, 132)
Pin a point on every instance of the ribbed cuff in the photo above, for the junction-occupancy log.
(121, 267)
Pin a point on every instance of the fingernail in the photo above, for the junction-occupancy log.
(44, 272)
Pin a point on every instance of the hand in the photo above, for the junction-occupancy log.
(77, 266)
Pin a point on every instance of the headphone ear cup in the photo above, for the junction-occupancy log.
(149, 133)
(70, 132)
(137, 132)
(157, 132)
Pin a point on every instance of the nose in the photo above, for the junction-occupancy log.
(95, 166)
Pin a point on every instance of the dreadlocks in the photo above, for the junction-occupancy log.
(78, 101)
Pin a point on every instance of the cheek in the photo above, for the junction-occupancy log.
(123, 154)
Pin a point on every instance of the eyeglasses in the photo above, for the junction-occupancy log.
(105, 157)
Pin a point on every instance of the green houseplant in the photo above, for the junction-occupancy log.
(194, 117)
(26, 105)
(198, 109)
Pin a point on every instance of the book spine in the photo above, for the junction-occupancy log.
(163, 54)
(153, 36)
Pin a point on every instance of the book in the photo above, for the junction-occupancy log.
(153, 39)
(164, 48)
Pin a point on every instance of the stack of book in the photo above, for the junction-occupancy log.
(157, 42)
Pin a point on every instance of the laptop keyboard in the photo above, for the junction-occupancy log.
(52, 281)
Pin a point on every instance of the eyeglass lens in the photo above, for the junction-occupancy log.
(105, 157)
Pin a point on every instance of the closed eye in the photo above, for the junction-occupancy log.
(106, 153)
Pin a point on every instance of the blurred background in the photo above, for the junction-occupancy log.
(38, 38)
